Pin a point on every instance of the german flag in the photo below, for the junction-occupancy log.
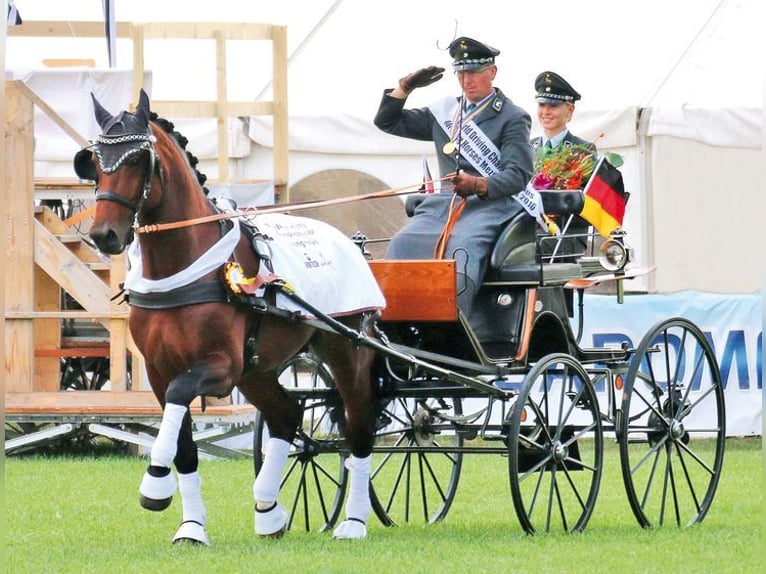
(605, 198)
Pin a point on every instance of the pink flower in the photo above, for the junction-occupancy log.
(542, 181)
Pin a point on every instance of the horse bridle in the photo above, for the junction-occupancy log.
(145, 142)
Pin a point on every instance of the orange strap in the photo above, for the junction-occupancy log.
(79, 216)
(454, 215)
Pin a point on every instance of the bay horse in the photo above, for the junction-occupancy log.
(199, 336)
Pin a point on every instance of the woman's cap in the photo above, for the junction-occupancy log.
(553, 89)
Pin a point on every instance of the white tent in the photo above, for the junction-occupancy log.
(666, 84)
(669, 85)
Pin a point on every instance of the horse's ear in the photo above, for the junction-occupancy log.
(143, 102)
(102, 116)
(84, 166)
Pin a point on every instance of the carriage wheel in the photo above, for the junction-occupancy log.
(416, 460)
(672, 439)
(315, 475)
(555, 447)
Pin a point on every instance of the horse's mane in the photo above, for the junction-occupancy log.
(168, 127)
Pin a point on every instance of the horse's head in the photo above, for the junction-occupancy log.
(121, 162)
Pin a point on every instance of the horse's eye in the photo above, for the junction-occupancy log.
(135, 161)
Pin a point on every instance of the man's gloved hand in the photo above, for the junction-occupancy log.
(467, 185)
(423, 77)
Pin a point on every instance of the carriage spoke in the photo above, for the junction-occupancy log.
(555, 447)
(683, 488)
(416, 445)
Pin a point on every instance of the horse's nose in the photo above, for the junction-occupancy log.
(106, 240)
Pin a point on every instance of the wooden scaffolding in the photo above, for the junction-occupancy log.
(46, 259)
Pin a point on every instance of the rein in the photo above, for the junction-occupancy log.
(249, 211)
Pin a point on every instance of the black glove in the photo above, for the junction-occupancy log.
(422, 78)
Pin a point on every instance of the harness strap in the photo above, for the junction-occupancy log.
(111, 196)
(194, 294)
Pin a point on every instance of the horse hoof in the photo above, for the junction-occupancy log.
(156, 492)
(154, 504)
(192, 532)
(271, 523)
(350, 530)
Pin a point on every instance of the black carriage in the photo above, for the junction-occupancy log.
(528, 391)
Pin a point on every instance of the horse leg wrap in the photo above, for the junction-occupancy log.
(190, 487)
(159, 484)
(266, 485)
(192, 528)
(157, 488)
(272, 520)
(166, 444)
(271, 523)
(358, 506)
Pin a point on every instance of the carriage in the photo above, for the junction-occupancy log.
(409, 392)
(529, 392)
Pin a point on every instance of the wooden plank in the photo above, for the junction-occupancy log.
(63, 183)
(417, 290)
(68, 29)
(18, 202)
(105, 403)
(75, 352)
(47, 332)
(69, 272)
(73, 314)
(280, 113)
(205, 30)
(69, 62)
(222, 119)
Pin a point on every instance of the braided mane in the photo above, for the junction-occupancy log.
(168, 127)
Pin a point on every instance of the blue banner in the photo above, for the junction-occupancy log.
(731, 323)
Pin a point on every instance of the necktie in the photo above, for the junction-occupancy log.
(548, 147)
(470, 107)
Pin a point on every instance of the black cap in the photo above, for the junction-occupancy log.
(553, 89)
(471, 55)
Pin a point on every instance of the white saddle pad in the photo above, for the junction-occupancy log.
(324, 266)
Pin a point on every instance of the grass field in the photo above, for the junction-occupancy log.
(80, 514)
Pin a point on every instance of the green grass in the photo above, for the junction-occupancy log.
(80, 514)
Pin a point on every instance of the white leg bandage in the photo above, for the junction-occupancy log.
(190, 487)
(166, 444)
(358, 506)
(194, 516)
(266, 485)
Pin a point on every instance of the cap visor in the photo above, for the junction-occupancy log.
(471, 67)
(552, 101)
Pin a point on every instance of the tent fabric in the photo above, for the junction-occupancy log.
(670, 85)
(723, 127)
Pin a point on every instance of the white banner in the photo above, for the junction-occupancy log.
(731, 323)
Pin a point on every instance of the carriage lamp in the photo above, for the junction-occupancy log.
(613, 255)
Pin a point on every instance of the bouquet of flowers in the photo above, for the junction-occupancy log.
(565, 167)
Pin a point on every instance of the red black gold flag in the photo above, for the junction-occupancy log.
(605, 198)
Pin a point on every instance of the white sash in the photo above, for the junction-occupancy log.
(213, 258)
(475, 146)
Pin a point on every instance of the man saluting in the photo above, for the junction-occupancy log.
(482, 144)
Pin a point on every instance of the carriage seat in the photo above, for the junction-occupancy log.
(514, 258)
